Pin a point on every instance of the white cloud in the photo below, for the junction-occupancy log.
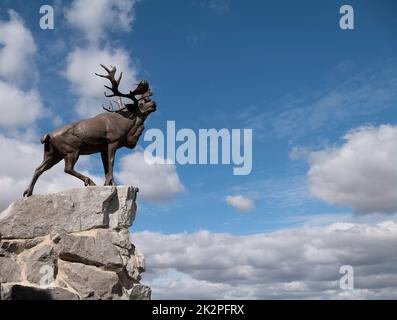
(18, 108)
(361, 174)
(291, 263)
(82, 64)
(157, 182)
(95, 21)
(19, 160)
(240, 203)
(17, 50)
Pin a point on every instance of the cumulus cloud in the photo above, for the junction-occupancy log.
(240, 203)
(95, 21)
(17, 164)
(361, 173)
(157, 182)
(18, 108)
(82, 64)
(17, 49)
(292, 263)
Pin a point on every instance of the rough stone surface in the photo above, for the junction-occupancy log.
(10, 270)
(40, 261)
(95, 249)
(70, 211)
(140, 292)
(71, 245)
(90, 282)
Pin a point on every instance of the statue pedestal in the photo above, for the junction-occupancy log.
(71, 245)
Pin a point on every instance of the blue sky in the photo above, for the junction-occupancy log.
(321, 103)
(239, 65)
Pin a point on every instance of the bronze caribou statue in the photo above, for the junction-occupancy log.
(105, 133)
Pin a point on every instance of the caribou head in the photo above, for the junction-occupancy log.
(143, 102)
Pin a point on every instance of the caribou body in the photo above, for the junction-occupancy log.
(104, 133)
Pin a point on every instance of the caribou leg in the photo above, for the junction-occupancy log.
(48, 163)
(70, 161)
(110, 161)
(104, 156)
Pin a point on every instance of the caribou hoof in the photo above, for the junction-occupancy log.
(89, 182)
(110, 183)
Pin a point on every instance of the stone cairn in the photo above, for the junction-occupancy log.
(71, 245)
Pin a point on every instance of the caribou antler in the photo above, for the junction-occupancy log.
(115, 84)
(120, 103)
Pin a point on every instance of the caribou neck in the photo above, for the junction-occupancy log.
(133, 114)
